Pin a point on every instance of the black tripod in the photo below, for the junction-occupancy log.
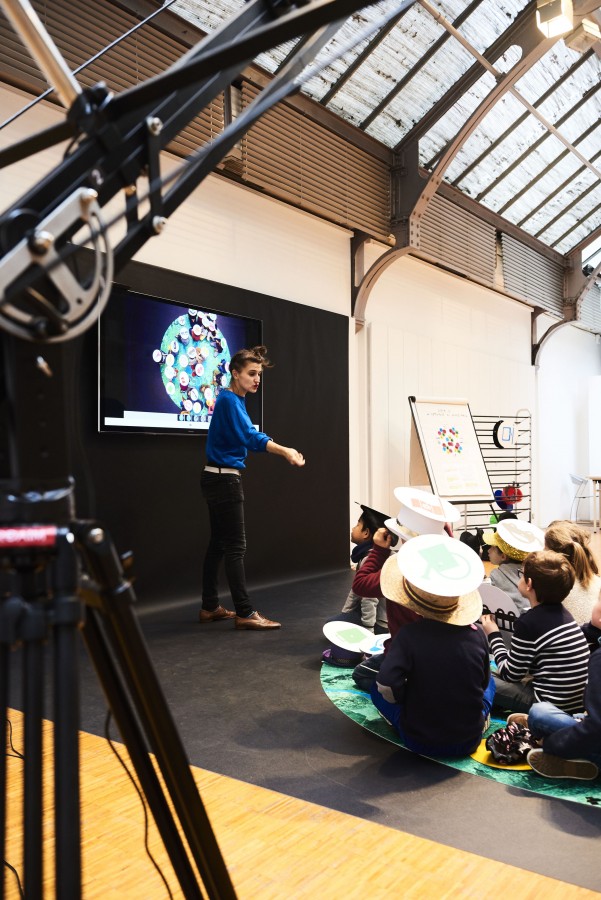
(60, 576)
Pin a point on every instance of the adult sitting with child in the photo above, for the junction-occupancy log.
(571, 745)
(434, 684)
(548, 656)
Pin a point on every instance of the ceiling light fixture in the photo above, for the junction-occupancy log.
(554, 17)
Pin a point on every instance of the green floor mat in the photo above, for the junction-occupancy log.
(344, 694)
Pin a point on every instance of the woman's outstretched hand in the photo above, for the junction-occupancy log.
(294, 457)
(289, 453)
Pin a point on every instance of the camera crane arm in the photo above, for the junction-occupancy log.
(116, 140)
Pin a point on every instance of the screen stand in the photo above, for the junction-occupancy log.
(58, 577)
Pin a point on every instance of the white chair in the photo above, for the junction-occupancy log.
(580, 482)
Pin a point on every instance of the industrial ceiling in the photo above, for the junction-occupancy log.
(477, 95)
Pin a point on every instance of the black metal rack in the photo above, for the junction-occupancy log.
(505, 467)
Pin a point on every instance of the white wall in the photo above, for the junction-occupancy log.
(431, 334)
(568, 420)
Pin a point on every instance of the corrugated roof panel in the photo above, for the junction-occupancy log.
(207, 15)
(546, 186)
(496, 163)
(270, 61)
(570, 92)
(527, 175)
(394, 57)
(581, 120)
(590, 146)
(574, 216)
(448, 125)
(488, 21)
(497, 122)
(421, 93)
(585, 228)
(352, 30)
(348, 36)
(547, 72)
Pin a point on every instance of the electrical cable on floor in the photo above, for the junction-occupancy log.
(15, 752)
(107, 722)
(16, 874)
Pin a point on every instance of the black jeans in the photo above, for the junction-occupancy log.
(225, 499)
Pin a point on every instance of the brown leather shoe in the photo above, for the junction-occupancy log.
(256, 622)
(215, 615)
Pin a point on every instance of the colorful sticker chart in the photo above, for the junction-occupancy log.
(194, 364)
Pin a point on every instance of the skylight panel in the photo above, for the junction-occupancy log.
(452, 122)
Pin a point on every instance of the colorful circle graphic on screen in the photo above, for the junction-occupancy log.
(194, 362)
(449, 440)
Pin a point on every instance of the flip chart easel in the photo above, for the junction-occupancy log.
(444, 450)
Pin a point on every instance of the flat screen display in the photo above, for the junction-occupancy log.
(162, 364)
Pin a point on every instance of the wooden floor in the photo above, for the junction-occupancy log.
(274, 846)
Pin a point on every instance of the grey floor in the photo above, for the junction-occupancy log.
(250, 705)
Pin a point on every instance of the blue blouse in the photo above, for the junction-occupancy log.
(231, 433)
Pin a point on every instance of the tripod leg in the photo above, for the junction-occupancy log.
(67, 619)
(3, 780)
(33, 634)
(115, 599)
(127, 722)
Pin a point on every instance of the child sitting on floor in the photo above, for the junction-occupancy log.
(370, 612)
(420, 513)
(548, 657)
(434, 684)
(508, 547)
(367, 611)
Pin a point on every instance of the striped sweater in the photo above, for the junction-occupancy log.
(550, 646)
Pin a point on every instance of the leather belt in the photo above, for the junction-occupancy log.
(221, 470)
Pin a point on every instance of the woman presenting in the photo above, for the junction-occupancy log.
(231, 435)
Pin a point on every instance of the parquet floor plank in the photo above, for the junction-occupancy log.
(275, 846)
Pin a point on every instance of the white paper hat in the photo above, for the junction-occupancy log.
(421, 512)
(437, 577)
(516, 538)
(347, 635)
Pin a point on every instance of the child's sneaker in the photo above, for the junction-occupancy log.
(550, 766)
